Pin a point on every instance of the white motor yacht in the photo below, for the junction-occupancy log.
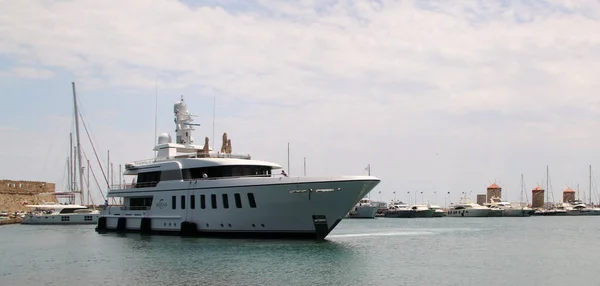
(364, 209)
(437, 210)
(508, 209)
(468, 210)
(55, 213)
(190, 189)
(399, 209)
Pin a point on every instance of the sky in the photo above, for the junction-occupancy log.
(436, 96)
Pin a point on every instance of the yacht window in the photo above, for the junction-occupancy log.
(173, 202)
(186, 174)
(251, 200)
(226, 171)
(213, 201)
(238, 201)
(87, 218)
(171, 175)
(140, 203)
(65, 218)
(183, 202)
(148, 179)
(202, 201)
(225, 201)
(192, 202)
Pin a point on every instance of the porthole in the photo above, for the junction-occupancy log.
(221, 225)
(253, 225)
(262, 225)
(207, 225)
(165, 224)
(229, 224)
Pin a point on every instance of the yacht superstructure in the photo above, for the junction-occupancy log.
(192, 190)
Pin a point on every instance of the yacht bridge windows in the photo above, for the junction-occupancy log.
(227, 171)
(152, 178)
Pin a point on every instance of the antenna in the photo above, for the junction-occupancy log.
(304, 166)
(214, 112)
(155, 113)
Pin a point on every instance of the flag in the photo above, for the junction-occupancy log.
(394, 192)
(380, 192)
(368, 167)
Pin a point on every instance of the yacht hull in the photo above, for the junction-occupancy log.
(401, 214)
(549, 213)
(62, 219)
(439, 213)
(469, 213)
(424, 213)
(582, 212)
(280, 207)
(516, 212)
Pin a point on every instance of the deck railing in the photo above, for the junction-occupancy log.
(195, 155)
(133, 186)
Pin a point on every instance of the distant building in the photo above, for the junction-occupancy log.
(481, 199)
(494, 191)
(568, 195)
(537, 197)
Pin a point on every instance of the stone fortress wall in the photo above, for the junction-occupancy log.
(13, 194)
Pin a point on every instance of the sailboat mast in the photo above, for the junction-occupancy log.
(521, 200)
(71, 165)
(69, 173)
(547, 185)
(88, 181)
(108, 171)
(591, 186)
(78, 146)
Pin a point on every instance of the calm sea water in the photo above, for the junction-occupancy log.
(383, 251)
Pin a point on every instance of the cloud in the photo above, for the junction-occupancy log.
(28, 72)
(495, 88)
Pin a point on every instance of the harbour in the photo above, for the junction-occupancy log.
(382, 251)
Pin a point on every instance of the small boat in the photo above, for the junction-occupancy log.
(365, 208)
(399, 209)
(437, 211)
(422, 211)
(507, 209)
(468, 210)
(55, 213)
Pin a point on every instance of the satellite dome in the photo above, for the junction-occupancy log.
(164, 138)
